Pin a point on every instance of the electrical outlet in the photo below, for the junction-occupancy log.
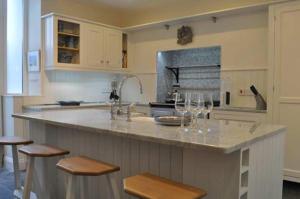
(245, 92)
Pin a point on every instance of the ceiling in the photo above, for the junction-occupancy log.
(131, 4)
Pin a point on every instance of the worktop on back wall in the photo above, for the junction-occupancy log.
(45, 107)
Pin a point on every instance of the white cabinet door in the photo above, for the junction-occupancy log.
(286, 106)
(113, 49)
(94, 46)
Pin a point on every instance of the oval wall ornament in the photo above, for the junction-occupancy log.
(184, 35)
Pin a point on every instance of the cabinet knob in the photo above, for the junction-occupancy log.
(102, 61)
(107, 62)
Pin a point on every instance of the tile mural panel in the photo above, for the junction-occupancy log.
(192, 77)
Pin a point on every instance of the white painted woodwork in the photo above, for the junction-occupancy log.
(113, 49)
(94, 46)
(219, 174)
(100, 47)
(12, 127)
(50, 43)
(238, 116)
(284, 87)
(70, 187)
(28, 178)
(16, 167)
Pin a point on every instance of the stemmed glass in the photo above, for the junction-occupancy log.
(194, 107)
(181, 106)
(208, 106)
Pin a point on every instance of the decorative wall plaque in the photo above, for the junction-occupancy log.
(184, 35)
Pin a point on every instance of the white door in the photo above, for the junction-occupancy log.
(286, 101)
(113, 49)
(93, 42)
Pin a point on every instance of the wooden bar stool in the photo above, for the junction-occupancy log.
(84, 166)
(153, 187)
(33, 151)
(14, 141)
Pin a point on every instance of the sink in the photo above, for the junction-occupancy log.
(123, 116)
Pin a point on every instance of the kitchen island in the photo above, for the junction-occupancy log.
(236, 160)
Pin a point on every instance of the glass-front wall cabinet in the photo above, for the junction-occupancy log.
(68, 42)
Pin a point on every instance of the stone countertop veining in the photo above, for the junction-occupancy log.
(225, 136)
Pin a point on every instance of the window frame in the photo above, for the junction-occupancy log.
(2, 47)
(24, 47)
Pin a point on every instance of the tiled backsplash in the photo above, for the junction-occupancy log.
(191, 79)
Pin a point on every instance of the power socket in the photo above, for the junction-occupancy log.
(245, 92)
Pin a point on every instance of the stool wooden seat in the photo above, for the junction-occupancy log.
(153, 187)
(33, 151)
(40, 150)
(13, 141)
(84, 166)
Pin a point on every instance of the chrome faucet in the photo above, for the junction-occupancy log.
(120, 111)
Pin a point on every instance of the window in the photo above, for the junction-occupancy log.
(14, 46)
(2, 46)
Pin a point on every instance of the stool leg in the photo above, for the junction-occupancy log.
(16, 167)
(1, 156)
(83, 188)
(113, 186)
(28, 178)
(70, 187)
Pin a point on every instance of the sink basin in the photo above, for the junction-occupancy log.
(123, 116)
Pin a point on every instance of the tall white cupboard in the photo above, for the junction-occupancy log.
(285, 80)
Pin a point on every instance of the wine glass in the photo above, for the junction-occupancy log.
(194, 107)
(208, 106)
(181, 106)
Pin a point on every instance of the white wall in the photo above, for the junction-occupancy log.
(243, 39)
(51, 86)
(84, 9)
(66, 85)
(167, 9)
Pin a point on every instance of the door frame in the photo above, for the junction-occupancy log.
(274, 98)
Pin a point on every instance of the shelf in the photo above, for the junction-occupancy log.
(198, 88)
(175, 69)
(67, 48)
(193, 66)
(68, 34)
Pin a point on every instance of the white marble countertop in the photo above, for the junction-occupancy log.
(225, 136)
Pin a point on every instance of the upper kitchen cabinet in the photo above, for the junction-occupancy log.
(113, 48)
(62, 41)
(76, 44)
(102, 47)
(94, 55)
